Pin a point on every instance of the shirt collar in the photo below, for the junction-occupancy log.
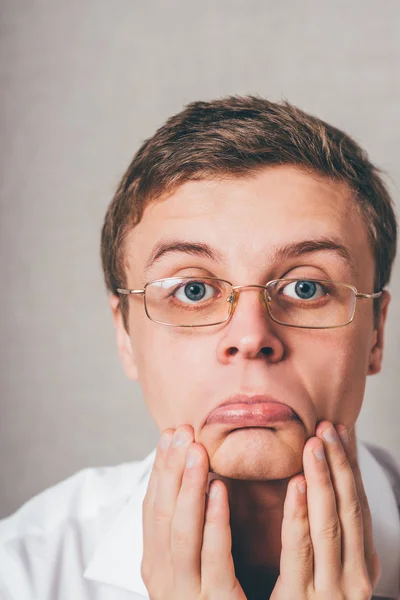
(117, 558)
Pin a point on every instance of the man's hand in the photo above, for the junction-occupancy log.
(187, 539)
(327, 545)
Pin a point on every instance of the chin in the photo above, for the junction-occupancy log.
(251, 454)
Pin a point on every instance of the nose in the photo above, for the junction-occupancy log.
(250, 333)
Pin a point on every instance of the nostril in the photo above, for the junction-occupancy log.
(266, 351)
(232, 351)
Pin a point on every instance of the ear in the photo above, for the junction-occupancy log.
(376, 354)
(124, 344)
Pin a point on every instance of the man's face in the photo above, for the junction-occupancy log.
(185, 373)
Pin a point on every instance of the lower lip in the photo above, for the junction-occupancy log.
(252, 415)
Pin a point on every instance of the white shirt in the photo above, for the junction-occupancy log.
(82, 538)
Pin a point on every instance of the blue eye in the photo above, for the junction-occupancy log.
(194, 291)
(303, 289)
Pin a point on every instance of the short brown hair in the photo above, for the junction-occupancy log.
(235, 136)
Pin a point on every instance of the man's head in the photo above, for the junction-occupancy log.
(249, 180)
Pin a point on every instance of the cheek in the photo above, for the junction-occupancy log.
(172, 369)
(336, 365)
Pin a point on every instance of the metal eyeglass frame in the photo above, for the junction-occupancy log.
(233, 299)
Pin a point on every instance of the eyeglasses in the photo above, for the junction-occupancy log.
(205, 301)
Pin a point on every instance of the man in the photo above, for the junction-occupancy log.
(246, 252)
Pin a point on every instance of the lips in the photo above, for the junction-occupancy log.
(251, 411)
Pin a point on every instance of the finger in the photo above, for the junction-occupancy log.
(323, 518)
(148, 502)
(188, 522)
(348, 439)
(168, 486)
(296, 564)
(348, 504)
(217, 567)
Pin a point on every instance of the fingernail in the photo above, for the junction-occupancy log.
(192, 459)
(213, 491)
(319, 452)
(344, 436)
(180, 438)
(301, 486)
(165, 441)
(330, 435)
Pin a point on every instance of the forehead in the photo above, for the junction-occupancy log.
(248, 215)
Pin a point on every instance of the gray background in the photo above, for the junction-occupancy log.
(82, 83)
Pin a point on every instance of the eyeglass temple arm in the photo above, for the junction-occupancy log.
(372, 296)
(123, 291)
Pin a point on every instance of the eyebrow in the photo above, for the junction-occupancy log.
(279, 253)
(164, 247)
(304, 247)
